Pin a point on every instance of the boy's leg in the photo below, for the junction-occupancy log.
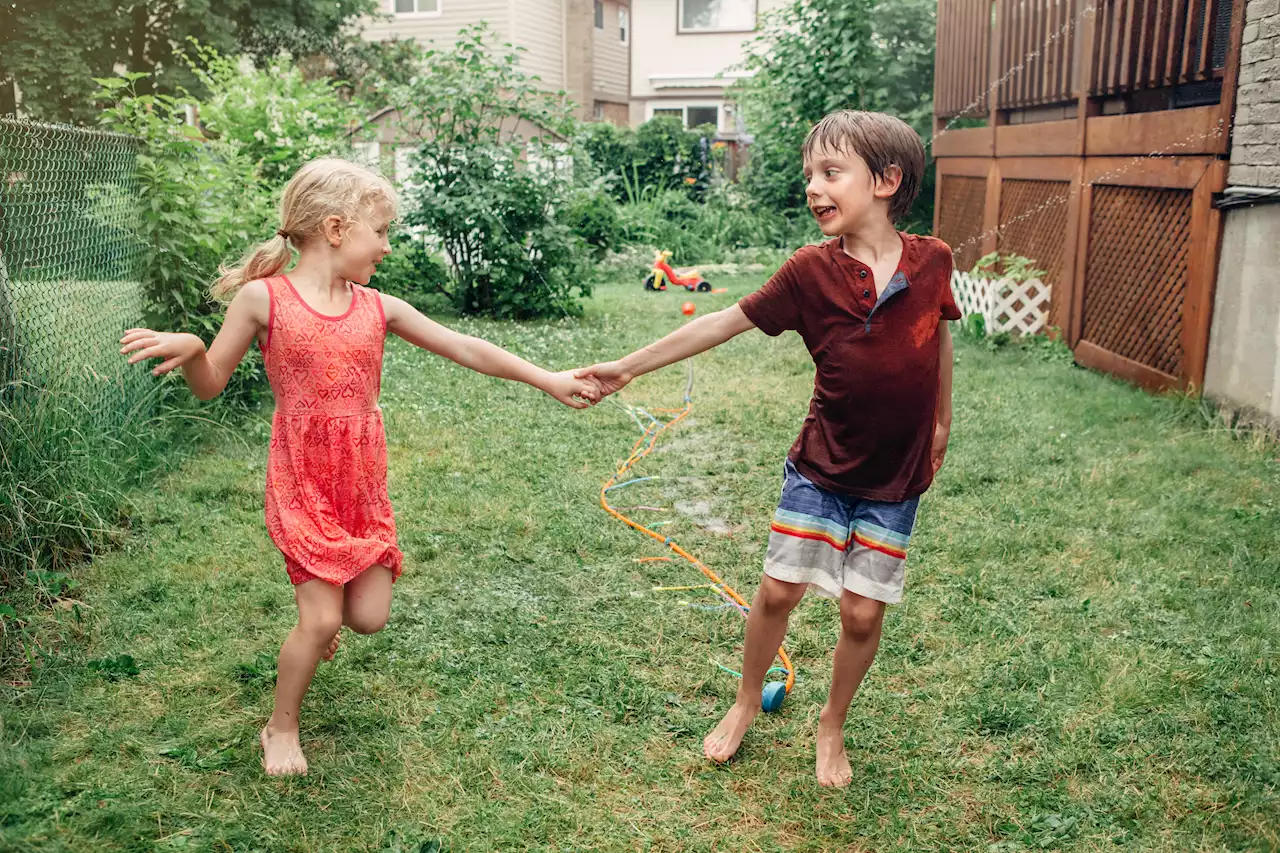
(367, 601)
(873, 576)
(319, 619)
(860, 622)
(766, 626)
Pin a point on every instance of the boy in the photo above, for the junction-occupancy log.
(871, 305)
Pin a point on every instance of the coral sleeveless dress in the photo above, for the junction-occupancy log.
(326, 504)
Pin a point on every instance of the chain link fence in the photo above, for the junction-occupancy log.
(69, 268)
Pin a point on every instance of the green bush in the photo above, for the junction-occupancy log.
(274, 115)
(486, 193)
(593, 216)
(709, 232)
(411, 271)
(659, 155)
(201, 202)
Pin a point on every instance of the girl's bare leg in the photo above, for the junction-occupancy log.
(319, 619)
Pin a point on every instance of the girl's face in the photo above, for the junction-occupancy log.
(363, 245)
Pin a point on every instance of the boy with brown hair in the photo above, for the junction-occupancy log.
(871, 305)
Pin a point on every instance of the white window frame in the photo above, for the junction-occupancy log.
(597, 14)
(681, 28)
(624, 24)
(439, 10)
(683, 107)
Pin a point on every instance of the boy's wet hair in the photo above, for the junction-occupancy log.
(881, 141)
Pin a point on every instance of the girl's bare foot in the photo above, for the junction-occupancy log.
(282, 753)
(332, 648)
(725, 738)
(833, 764)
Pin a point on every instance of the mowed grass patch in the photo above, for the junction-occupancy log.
(1085, 658)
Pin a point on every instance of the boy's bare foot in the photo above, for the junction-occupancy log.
(282, 753)
(833, 764)
(332, 648)
(725, 738)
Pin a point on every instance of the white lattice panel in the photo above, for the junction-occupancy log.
(1005, 305)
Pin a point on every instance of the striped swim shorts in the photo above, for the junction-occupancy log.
(836, 542)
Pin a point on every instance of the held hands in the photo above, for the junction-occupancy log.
(607, 377)
(175, 349)
(574, 392)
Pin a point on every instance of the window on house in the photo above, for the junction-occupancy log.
(598, 111)
(717, 15)
(702, 115)
(599, 14)
(624, 24)
(677, 113)
(416, 7)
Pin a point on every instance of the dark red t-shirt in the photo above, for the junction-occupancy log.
(875, 395)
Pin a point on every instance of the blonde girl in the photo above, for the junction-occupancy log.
(321, 330)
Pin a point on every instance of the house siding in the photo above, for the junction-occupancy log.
(443, 28)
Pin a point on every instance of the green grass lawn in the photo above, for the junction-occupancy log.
(1085, 659)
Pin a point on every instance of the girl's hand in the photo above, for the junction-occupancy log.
(575, 393)
(175, 349)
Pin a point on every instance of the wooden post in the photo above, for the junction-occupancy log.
(1202, 274)
(1230, 79)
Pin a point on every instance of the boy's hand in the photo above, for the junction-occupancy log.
(175, 349)
(609, 377)
(570, 390)
(941, 435)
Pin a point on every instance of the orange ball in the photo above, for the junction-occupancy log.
(688, 308)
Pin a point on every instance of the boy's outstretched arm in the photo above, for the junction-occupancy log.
(697, 336)
(481, 356)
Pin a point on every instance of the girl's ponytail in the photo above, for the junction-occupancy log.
(265, 261)
(321, 188)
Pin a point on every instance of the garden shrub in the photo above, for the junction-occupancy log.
(475, 114)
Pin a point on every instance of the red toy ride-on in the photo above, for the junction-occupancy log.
(661, 275)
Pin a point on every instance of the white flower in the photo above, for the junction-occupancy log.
(259, 135)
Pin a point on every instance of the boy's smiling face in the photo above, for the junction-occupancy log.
(842, 193)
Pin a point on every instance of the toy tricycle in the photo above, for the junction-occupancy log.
(662, 274)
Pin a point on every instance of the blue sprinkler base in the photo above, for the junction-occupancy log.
(774, 693)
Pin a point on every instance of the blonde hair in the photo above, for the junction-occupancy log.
(322, 188)
(881, 141)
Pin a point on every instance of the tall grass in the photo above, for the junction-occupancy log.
(64, 475)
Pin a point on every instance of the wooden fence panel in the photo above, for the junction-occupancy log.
(1152, 44)
(1037, 52)
(961, 62)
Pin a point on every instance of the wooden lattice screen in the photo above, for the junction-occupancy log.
(1033, 223)
(960, 216)
(1137, 273)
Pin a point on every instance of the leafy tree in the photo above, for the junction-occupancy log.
(488, 179)
(816, 56)
(54, 50)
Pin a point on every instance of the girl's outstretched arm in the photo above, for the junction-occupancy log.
(479, 355)
(207, 373)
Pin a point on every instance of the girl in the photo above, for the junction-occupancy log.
(321, 332)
